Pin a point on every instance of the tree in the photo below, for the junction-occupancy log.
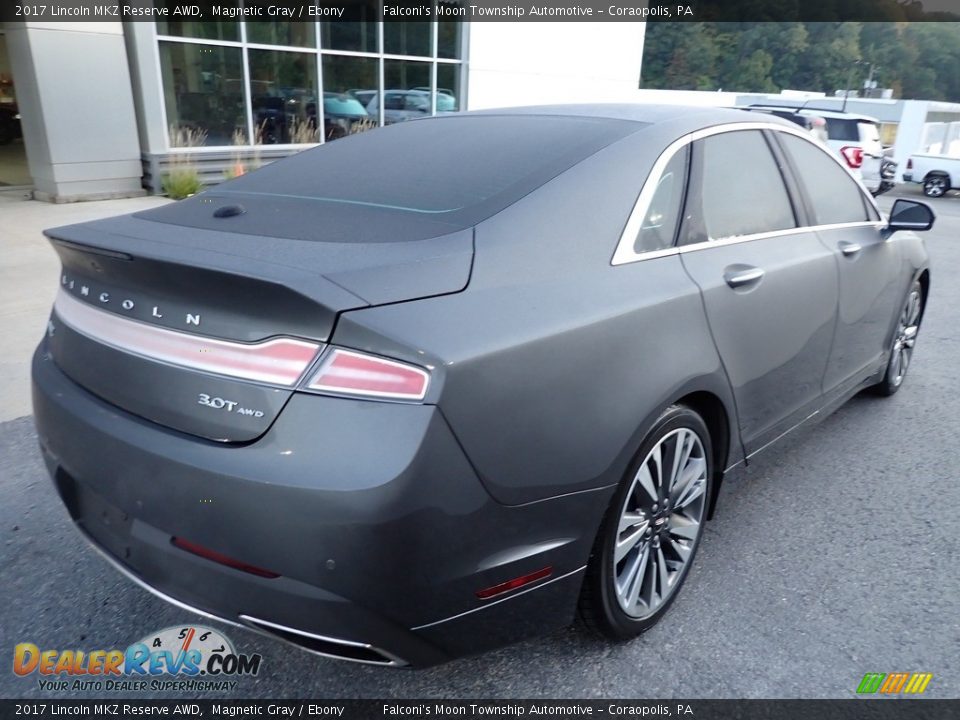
(918, 60)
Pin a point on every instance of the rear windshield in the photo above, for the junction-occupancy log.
(440, 166)
(843, 129)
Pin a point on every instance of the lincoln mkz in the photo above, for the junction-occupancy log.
(430, 389)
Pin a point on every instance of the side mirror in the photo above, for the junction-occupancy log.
(909, 215)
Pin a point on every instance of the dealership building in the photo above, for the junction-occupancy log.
(108, 108)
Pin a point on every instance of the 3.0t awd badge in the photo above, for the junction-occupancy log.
(218, 403)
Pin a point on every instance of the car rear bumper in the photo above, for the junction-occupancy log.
(370, 516)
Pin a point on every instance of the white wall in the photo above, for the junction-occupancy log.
(76, 103)
(534, 63)
(686, 97)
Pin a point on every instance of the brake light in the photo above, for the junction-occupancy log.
(909, 163)
(353, 373)
(853, 155)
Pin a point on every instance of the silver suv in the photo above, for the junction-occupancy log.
(855, 138)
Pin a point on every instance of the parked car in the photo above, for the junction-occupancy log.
(341, 112)
(400, 105)
(10, 128)
(855, 139)
(936, 173)
(271, 119)
(813, 124)
(444, 91)
(364, 96)
(434, 388)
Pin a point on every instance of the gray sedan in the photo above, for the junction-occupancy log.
(400, 416)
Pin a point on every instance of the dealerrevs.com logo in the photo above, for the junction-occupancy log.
(181, 658)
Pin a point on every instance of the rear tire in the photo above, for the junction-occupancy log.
(935, 186)
(650, 534)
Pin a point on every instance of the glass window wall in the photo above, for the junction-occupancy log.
(246, 83)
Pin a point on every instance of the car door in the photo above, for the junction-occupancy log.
(769, 285)
(868, 265)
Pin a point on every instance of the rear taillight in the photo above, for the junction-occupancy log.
(909, 163)
(853, 155)
(346, 372)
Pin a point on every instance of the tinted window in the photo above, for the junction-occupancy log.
(841, 129)
(835, 196)
(742, 189)
(357, 30)
(294, 34)
(203, 91)
(660, 223)
(283, 92)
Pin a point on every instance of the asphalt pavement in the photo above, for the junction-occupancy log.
(836, 555)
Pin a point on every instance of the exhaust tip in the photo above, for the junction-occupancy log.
(336, 648)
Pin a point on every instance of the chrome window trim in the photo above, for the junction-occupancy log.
(625, 253)
(736, 239)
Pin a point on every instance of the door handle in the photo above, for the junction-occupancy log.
(742, 275)
(849, 248)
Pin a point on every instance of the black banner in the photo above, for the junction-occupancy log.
(483, 10)
(852, 709)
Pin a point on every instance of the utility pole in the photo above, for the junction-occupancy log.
(869, 84)
(846, 90)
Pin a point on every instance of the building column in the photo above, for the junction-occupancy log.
(76, 108)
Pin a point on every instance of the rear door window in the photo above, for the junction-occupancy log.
(742, 190)
(834, 195)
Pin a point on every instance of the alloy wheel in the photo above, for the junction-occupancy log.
(660, 523)
(935, 186)
(906, 336)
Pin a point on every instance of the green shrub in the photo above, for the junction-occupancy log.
(182, 182)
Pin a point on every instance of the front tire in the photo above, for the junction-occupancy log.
(649, 537)
(903, 343)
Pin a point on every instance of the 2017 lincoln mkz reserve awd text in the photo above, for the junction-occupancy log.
(429, 389)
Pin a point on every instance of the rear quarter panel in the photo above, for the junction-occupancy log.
(554, 363)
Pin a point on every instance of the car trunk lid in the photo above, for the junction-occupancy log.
(208, 331)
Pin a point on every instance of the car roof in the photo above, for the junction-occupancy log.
(820, 112)
(837, 115)
(684, 118)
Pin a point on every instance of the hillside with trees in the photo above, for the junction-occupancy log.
(918, 60)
